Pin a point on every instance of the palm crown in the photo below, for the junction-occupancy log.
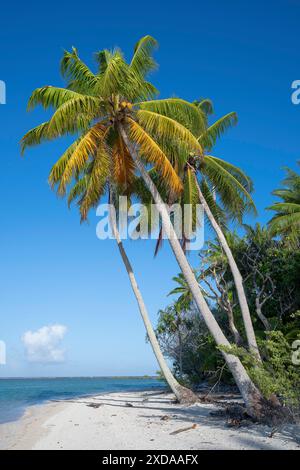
(94, 105)
(286, 221)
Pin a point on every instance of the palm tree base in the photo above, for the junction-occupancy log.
(269, 411)
(185, 396)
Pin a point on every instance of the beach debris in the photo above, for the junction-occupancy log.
(273, 432)
(165, 418)
(183, 430)
(129, 405)
(233, 412)
(234, 423)
(94, 405)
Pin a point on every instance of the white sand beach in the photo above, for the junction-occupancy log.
(136, 420)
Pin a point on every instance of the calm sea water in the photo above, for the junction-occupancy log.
(17, 394)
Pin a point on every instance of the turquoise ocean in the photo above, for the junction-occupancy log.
(17, 394)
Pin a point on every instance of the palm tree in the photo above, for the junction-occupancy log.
(286, 221)
(119, 123)
(78, 192)
(205, 178)
(233, 187)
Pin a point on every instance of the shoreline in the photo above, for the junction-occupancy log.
(135, 420)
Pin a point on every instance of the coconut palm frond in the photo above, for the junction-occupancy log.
(78, 189)
(182, 111)
(167, 129)
(36, 136)
(237, 173)
(85, 148)
(152, 152)
(75, 115)
(208, 138)
(51, 96)
(142, 61)
(205, 105)
(97, 181)
(76, 71)
(233, 195)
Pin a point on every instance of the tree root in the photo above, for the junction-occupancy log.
(269, 412)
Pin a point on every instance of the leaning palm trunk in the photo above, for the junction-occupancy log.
(238, 281)
(183, 394)
(251, 395)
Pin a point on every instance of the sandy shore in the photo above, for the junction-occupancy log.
(135, 420)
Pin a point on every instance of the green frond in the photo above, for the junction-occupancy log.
(235, 198)
(208, 138)
(205, 105)
(142, 61)
(285, 207)
(75, 115)
(78, 189)
(286, 194)
(36, 136)
(102, 58)
(190, 194)
(167, 130)
(115, 78)
(209, 195)
(51, 96)
(237, 173)
(180, 110)
(285, 223)
(75, 70)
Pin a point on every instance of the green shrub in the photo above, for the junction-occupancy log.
(277, 374)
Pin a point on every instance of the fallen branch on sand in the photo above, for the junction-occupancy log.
(183, 430)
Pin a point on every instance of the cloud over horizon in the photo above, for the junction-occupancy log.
(44, 345)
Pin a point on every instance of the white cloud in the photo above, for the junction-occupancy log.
(44, 345)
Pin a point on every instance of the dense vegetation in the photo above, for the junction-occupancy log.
(270, 267)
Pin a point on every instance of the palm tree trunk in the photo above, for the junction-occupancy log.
(183, 394)
(238, 281)
(251, 395)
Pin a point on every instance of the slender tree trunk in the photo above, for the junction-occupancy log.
(233, 328)
(183, 394)
(251, 395)
(261, 316)
(225, 304)
(238, 281)
(180, 355)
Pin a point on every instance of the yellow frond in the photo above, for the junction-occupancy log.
(96, 182)
(86, 147)
(152, 153)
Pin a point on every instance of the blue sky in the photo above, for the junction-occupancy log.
(242, 55)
